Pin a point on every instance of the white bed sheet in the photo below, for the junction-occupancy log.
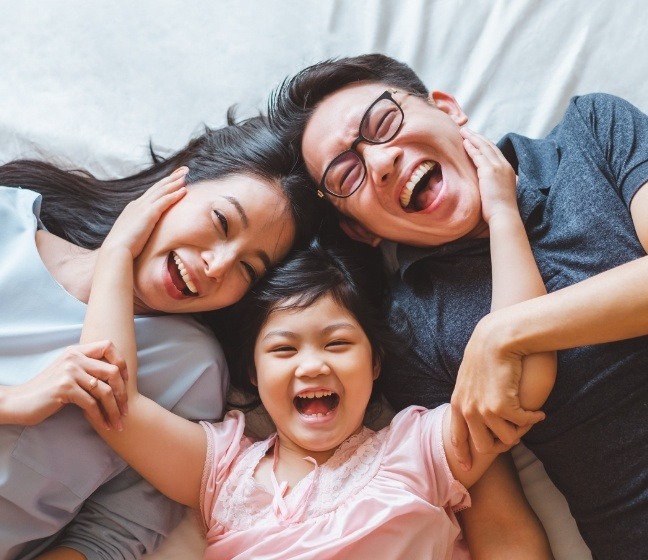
(94, 82)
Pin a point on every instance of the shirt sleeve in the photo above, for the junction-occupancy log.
(224, 441)
(417, 439)
(620, 132)
(125, 518)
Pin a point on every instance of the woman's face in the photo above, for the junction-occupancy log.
(209, 248)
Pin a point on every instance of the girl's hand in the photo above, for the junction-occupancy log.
(92, 376)
(135, 224)
(497, 179)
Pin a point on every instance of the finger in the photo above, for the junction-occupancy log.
(483, 144)
(177, 174)
(90, 407)
(103, 393)
(503, 430)
(521, 417)
(114, 357)
(110, 375)
(481, 436)
(459, 438)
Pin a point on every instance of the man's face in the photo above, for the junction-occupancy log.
(421, 187)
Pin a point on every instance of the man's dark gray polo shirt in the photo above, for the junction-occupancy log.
(574, 192)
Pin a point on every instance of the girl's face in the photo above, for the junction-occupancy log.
(209, 248)
(315, 372)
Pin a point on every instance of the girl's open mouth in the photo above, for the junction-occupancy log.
(316, 403)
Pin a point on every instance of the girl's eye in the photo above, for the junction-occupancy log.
(250, 272)
(282, 349)
(223, 221)
(337, 343)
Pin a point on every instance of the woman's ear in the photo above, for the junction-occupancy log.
(253, 377)
(449, 105)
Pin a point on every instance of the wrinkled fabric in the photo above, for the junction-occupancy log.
(58, 479)
(386, 494)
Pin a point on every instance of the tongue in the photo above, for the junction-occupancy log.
(177, 280)
(428, 193)
(315, 406)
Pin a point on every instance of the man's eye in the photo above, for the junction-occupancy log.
(250, 272)
(223, 221)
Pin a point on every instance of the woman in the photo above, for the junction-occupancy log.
(63, 493)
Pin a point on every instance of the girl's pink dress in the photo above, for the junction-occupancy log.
(383, 495)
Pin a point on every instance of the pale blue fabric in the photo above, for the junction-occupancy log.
(60, 471)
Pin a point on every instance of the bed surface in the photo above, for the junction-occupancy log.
(94, 83)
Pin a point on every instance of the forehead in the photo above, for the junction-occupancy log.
(335, 121)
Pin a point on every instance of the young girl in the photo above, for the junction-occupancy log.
(323, 486)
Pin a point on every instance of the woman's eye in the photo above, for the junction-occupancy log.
(250, 272)
(223, 221)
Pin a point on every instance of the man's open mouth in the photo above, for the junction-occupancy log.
(316, 403)
(417, 193)
(180, 276)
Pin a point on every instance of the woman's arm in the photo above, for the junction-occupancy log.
(167, 450)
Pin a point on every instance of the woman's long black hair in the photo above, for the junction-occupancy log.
(82, 209)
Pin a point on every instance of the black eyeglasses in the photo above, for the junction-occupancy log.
(380, 124)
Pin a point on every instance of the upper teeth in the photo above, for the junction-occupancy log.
(406, 193)
(314, 394)
(185, 274)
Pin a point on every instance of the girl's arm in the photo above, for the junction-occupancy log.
(165, 449)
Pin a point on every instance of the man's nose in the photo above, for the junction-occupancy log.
(381, 161)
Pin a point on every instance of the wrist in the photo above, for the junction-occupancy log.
(505, 219)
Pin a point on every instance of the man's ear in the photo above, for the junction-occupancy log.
(449, 105)
(358, 232)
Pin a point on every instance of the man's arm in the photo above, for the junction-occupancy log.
(500, 524)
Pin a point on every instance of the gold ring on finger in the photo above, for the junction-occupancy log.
(93, 383)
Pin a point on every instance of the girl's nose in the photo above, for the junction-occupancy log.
(218, 262)
(312, 367)
(381, 160)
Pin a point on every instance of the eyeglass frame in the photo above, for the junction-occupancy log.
(387, 94)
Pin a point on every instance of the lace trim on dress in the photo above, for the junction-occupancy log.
(244, 503)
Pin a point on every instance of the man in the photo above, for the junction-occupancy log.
(389, 157)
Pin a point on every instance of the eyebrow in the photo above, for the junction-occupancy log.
(325, 330)
(265, 259)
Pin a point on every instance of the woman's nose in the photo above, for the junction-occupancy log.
(381, 161)
(218, 262)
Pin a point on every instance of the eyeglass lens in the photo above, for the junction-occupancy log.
(380, 124)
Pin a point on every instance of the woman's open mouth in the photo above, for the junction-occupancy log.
(422, 188)
(316, 404)
(180, 276)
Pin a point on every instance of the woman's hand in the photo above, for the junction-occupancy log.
(135, 224)
(486, 400)
(92, 376)
(497, 179)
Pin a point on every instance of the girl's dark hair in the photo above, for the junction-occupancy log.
(82, 209)
(350, 272)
